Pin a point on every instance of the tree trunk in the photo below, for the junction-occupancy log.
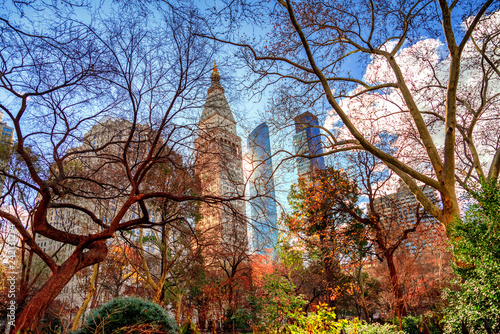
(230, 295)
(388, 254)
(400, 307)
(202, 316)
(178, 309)
(450, 210)
(86, 302)
(365, 309)
(32, 313)
(331, 267)
(96, 294)
(362, 289)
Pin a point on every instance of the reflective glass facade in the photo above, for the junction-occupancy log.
(307, 141)
(263, 200)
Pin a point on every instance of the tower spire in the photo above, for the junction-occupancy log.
(215, 77)
(216, 102)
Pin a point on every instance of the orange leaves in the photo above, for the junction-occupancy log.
(336, 292)
(262, 265)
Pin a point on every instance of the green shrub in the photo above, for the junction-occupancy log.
(322, 321)
(273, 309)
(415, 325)
(475, 244)
(410, 325)
(280, 311)
(238, 319)
(121, 314)
(189, 328)
(365, 328)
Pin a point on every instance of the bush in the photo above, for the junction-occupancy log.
(410, 325)
(128, 315)
(415, 325)
(189, 328)
(238, 319)
(323, 322)
(277, 303)
(475, 244)
(365, 328)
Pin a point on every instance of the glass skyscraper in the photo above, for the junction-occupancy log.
(262, 194)
(307, 141)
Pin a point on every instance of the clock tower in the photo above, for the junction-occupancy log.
(222, 226)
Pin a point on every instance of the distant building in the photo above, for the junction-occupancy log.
(6, 140)
(402, 210)
(219, 167)
(262, 195)
(93, 157)
(9, 245)
(307, 141)
(7, 132)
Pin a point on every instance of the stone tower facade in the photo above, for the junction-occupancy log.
(222, 225)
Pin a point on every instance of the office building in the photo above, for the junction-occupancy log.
(307, 143)
(401, 210)
(7, 132)
(262, 195)
(6, 140)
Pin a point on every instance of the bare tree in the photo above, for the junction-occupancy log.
(97, 110)
(440, 105)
